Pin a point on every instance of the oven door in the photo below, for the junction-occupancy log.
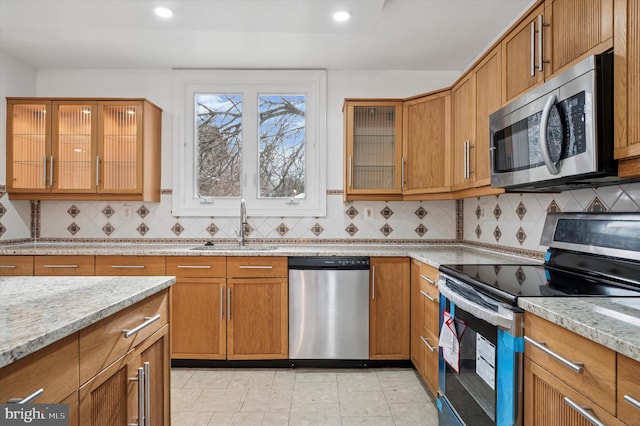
(487, 388)
(551, 137)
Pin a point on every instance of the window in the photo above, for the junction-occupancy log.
(257, 135)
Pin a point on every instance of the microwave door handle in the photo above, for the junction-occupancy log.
(544, 144)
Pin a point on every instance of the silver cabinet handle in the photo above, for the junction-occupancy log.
(221, 304)
(140, 379)
(97, 171)
(146, 323)
(8, 266)
(256, 267)
(351, 172)
(403, 176)
(464, 160)
(427, 295)
(533, 48)
(51, 170)
(373, 283)
(194, 266)
(575, 366)
(147, 394)
(544, 144)
(632, 401)
(60, 266)
(27, 399)
(228, 303)
(427, 279)
(540, 43)
(127, 266)
(426, 342)
(44, 171)
(585, 412)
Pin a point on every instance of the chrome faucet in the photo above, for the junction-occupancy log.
(243, 222)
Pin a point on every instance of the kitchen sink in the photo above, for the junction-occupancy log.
(234, 247)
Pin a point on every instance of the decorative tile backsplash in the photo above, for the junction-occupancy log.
(511, 222)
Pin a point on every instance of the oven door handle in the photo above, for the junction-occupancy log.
(544, 143)
(503, 318)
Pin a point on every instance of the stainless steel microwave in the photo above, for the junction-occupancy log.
(559, 135)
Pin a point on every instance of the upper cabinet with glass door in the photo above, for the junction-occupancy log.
(85, 149)
(373, 149)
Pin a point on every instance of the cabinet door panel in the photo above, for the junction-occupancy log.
(464, 103)
(257, 318)
(488, 100)
(28, 145)
(157, 355)
(628, 390)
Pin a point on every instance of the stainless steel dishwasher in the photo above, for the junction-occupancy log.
(329, 308)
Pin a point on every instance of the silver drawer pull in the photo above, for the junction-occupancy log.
(8, 266)
(585, 412)
(61, 266)
(426, 342)
(632, 401)
(575, 366)
(127, 266)
(427, 279)
(427, 295)
(148, 321)
(194, 266)
(256, 267)
(27, 399)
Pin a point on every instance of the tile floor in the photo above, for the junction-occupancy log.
(295, 397)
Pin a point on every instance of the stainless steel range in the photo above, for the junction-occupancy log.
(480, 376)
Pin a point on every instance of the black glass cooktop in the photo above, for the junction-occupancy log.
(508, 282)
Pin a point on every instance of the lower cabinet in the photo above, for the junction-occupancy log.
(628, 390)
(424, 322)
(389, 308)
(132, 388)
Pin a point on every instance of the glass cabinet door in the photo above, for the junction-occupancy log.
(119, 146)
(74, 146)
(29, 146)
(375, 157)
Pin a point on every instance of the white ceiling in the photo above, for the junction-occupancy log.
(383, 34)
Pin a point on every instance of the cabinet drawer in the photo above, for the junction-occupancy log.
(200, 266)
(130, 265)
(628, 390)
(16, 265)
(53, 368)
(64, 265)
(105, 341)
(256, 266)
(431, 351)
(597, 379)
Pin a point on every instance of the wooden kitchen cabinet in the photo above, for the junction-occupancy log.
(425, 318)
(427, 144)
(64, 265)
(83, 149)
(373, 148)
(389, 308)
(198, 308)
(257, 308)
(464, 116)
(627, 87)
(628, 401)
(130, 265)
(548, 381)
(16, 265)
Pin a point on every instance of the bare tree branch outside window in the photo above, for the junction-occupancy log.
(282, 130)
(219, 138)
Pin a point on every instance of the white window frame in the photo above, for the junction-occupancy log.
(250, 84)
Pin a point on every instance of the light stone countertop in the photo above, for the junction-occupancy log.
(614, 322)
(38, 311)
(434, 255)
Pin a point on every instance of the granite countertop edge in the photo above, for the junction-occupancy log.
(610, 321)
(19, 345)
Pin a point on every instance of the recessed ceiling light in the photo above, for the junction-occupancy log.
(163, 12)
(341, 16)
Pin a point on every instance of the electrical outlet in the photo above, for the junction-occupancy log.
(126, 211)
(368, 213)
